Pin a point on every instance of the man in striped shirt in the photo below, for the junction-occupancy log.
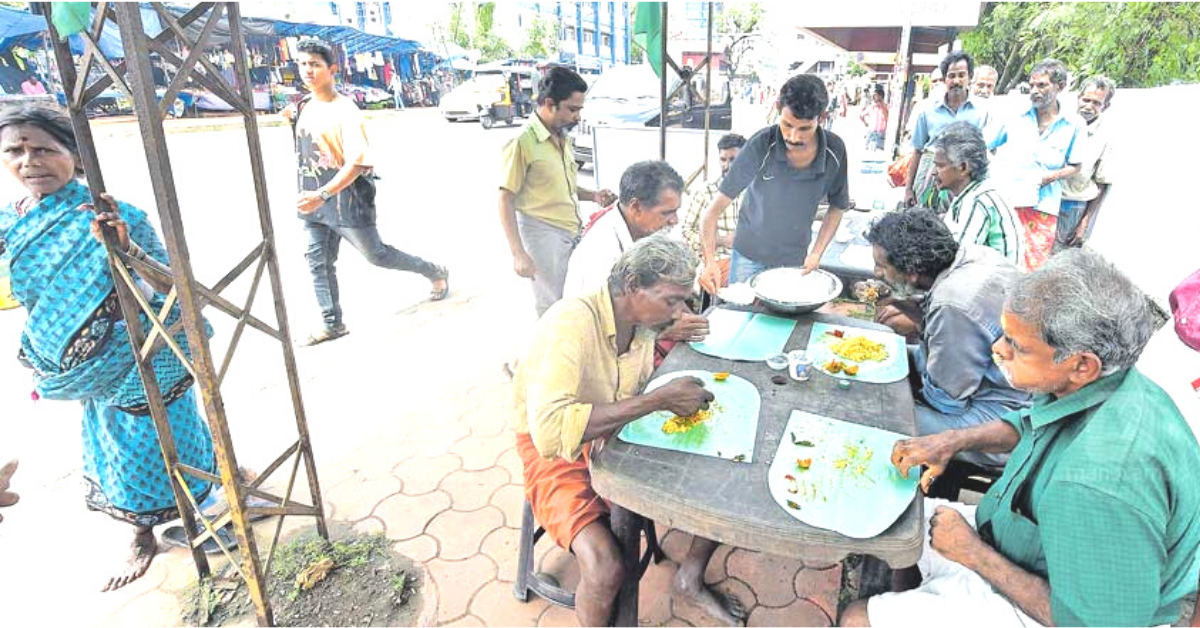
(970, 205)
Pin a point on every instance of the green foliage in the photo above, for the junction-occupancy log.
(460, 32)
(541, 39)
(855, 69)
(1137, 44)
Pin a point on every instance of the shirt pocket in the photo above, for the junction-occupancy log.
(536, 176)
(1052, 151)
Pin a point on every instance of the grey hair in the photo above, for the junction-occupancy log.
(985, 69)
(1052, 68)
(1081, 303)
(963, 143)
(653, 260)
(1102, 82)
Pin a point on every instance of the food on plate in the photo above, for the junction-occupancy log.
(834, 366)
(870, 291)
(850, 369)
(836, 333)
(793, 505)
(860, 349)
(720, 377)
(803, 463)
(792, 486)
(683, 424)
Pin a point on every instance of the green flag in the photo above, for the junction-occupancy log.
(71, 17)
(648, 32)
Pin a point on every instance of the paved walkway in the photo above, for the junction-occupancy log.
(444, 483)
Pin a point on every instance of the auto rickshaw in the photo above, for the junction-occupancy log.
(514, 102)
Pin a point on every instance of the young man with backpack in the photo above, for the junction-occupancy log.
(337, 189)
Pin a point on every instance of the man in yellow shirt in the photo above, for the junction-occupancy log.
(539, 196)
(580, 381)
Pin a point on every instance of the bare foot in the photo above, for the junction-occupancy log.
(7, 498)
(726, 609)
(144, 548)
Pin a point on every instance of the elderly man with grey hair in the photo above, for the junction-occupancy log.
(983, 82)
(970, 204)
(1085, 191)
(582, 380)
(1096, 520)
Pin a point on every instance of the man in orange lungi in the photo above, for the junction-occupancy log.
(590, 357)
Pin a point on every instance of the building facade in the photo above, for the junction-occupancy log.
(591, 35)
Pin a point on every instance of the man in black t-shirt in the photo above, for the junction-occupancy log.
(786, 170)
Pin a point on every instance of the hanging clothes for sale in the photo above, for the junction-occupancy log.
(387, 73)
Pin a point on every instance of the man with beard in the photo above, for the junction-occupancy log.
(956, 105)
(1096, 520)
(1042, 147)
(539, 196)
(961, 291)
(983, 83)
(786, 170)
(581, 381)
(1085, 191)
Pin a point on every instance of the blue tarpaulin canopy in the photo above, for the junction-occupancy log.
(25, 29)
(18, 28)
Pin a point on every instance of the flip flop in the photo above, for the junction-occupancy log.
(175, 537)
(325, 335)
(443, 274)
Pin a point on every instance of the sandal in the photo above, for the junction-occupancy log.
(325, 335)
(441, 274)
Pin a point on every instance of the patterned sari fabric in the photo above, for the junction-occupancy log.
(76, 343)
(1040, 229)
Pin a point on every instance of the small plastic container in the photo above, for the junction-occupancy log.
(799, 365)
(777, 361)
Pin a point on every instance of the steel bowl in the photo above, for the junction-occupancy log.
(787, 307)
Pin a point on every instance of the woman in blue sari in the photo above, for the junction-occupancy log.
(75, 339)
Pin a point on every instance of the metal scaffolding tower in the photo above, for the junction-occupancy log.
(132, 75)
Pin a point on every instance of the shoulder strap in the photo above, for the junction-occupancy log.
(299, 107)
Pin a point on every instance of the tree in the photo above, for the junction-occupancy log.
(740, 22)
(541, 39)
(1137, 44)
(855, 69)
(460, 31)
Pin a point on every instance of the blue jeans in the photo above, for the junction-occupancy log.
(324, 243)
(742, 268)
(1070, 214)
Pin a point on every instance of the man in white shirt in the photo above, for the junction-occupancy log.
(650, 197)
(1085, 191)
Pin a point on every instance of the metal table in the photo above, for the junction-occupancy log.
(729, 502)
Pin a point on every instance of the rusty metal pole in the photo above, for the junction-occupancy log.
(662, 75)
(162, 179)
(708, 90)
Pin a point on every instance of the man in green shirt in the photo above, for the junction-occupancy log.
(539, 196)
(1096, 520)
